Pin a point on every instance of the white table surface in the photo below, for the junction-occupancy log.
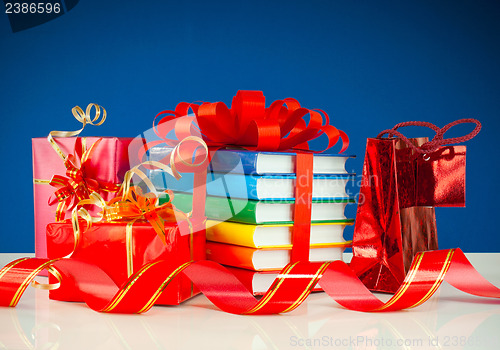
(449, 320)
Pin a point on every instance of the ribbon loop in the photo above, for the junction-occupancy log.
(83, 118)
(249, 124)
(438, 140)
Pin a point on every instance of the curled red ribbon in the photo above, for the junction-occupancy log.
(289, 290)
(248, 123)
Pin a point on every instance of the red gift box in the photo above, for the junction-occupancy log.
(108, 246)
(108, 164)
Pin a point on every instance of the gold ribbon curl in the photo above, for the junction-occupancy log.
(84, 118)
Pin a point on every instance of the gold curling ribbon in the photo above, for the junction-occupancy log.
(40, 181)
(84, 118)
(50, 286)
(176, 155)
(129, 247)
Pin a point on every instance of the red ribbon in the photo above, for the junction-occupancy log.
(426, 274)
(248, 123)
(77, 185)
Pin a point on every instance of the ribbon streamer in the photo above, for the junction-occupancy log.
(289, 290)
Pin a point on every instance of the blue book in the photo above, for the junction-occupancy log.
(256, 187)
(248, 162)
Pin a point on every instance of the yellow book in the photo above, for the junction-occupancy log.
(274, 236)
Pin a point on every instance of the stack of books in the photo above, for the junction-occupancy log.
(250, 206)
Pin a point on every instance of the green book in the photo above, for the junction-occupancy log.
(263, 211)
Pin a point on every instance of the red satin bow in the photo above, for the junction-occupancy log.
(248, 123)
(77, 185)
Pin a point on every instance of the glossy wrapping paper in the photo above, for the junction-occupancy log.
(395, 217)
(105, 245)
(108, 164)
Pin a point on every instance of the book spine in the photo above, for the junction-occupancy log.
(163, 180)
(232, 185)
(220, 185)
(232, 255)
(231, 233)
(235, 162)
(238, 210)
(218, 208)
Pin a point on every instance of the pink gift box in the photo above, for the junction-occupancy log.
(108, 163)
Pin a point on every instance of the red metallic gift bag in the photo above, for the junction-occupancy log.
(403, 180)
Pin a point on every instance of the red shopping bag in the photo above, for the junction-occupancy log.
(403, 180)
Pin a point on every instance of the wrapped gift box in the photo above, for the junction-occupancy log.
(108, 163)
(105, 244)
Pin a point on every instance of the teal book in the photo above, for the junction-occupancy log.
(256, 187)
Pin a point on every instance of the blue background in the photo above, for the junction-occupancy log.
(369, 64)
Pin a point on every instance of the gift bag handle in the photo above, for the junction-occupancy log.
(438, 140)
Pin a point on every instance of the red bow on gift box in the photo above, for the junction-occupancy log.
(77, 186)
(248, 123)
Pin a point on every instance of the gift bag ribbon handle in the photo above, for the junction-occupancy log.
(438, 140)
